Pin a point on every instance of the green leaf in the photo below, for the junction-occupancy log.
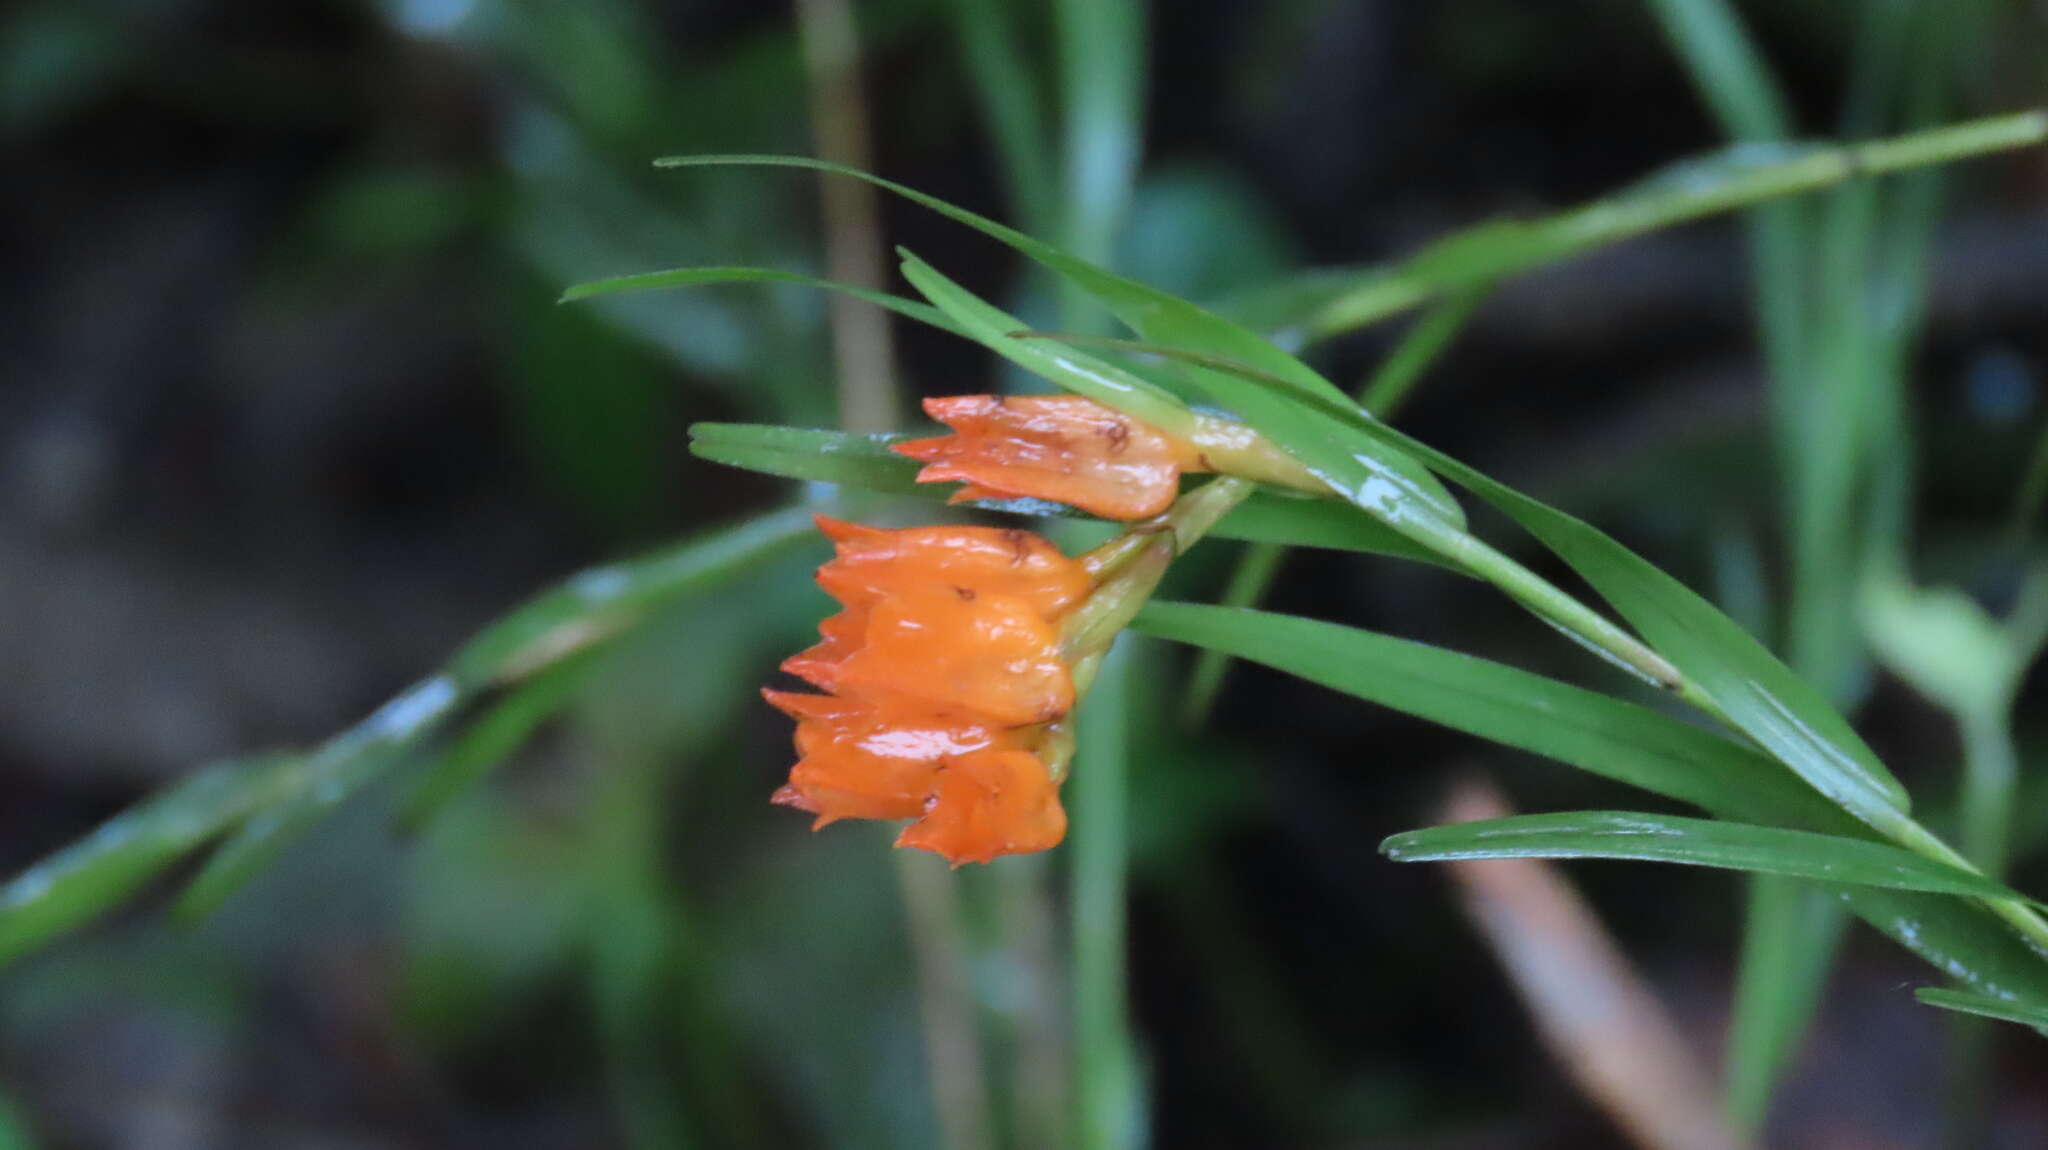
(1607, 737)
(701, 277)
(865, 462)
(817, 456)
(1989, 1007)
(553, 628)
(1098, 379)
(1645, 837)
(91, 876)
(1378, 477)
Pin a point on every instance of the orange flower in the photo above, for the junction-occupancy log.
(859, 762)
(1058, 447)
(942, 672)
(990, 803)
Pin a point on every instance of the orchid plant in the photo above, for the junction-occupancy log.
(958, 672)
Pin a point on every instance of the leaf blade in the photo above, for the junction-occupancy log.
(671, 279)
(1985, 1005)
(1645, 837)
(1654, 753)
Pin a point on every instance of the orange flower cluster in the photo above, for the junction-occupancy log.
(942, 673)
(1058, 447)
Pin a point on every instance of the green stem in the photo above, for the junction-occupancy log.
(1552, 604)
(2023, 918)
(1129, 567)
(1106, 1085)
(1604, 222)
(1990, 769)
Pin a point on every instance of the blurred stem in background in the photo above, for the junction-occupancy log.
(854, 248)
(1109, 1101)
(869, 402)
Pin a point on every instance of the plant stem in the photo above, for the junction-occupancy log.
(1990, 768)
(1106, 1081)
(1608, 221)
(1552, 604)
(853, 233)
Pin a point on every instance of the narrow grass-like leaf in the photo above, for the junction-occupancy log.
(1327, 303)
(1611, 738)
(1619, 740)
(1098, 379)
(865, 462)
(1645, 837)
(91, 876)
(815, 455)
(489, 740)
(1985, 1005)
(673, 278)
(588, 609)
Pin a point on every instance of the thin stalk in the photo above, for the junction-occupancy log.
(1041, 1098)
(2023, 918)
(1605, 222)
(1106, 1087)
(1592, 629)
(854, 248)
(945, 995)
(1102, 76)
(1990, 772)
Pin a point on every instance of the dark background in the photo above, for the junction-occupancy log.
(287, 410)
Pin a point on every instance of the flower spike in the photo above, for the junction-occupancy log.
(943, 674)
